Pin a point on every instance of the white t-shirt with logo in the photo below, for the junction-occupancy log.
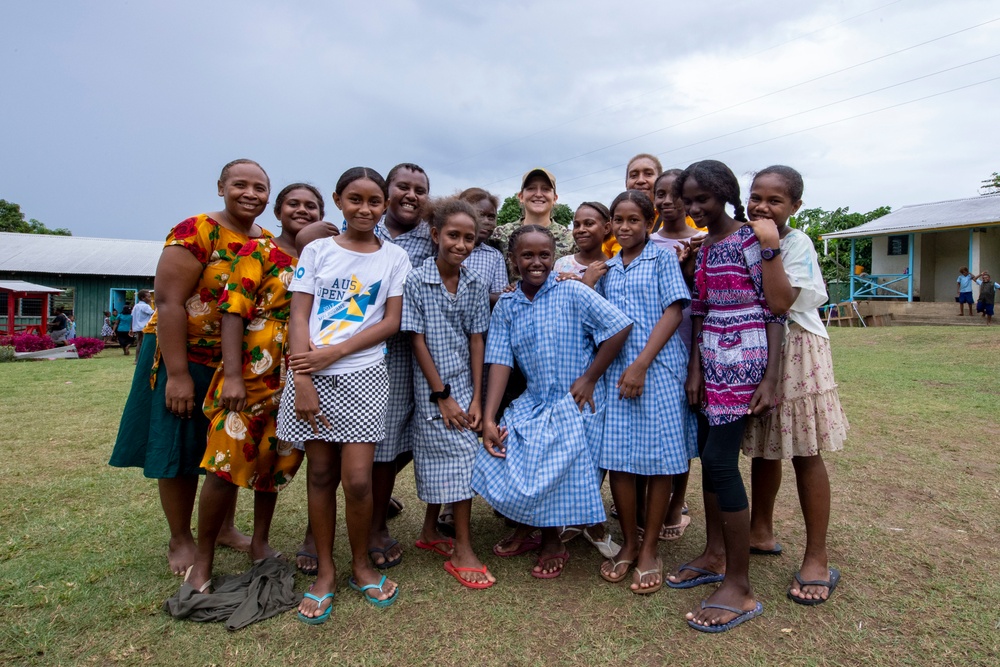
(349, 293)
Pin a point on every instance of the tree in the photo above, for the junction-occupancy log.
(563, 215)
(510, 211)
(990, 186)
(12, 220)
(836, 264)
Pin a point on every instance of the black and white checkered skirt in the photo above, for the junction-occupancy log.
(353, 403)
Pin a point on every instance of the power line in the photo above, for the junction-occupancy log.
(747, 101)
(814, 127)
(652, 91)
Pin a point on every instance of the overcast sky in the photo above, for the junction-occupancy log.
(117, 116)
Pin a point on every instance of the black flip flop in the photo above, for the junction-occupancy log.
(776, 551)
(830, 584)
(386, 563)
(308, 571)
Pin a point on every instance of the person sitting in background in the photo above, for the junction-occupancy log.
(59, 327)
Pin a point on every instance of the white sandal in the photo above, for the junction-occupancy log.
(606, 546)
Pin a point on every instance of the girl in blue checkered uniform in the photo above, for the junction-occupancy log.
(650, 431)
(538, 468)
(447, 308)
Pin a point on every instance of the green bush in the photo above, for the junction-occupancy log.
(6, 353)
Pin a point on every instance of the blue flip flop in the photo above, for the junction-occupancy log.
(831, 585)
(776, 551)
(386, 563)
(316, 620)
(740, 618)
(704, 577)
(381, 604)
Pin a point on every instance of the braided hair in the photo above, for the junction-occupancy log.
(718, 179)
(524, 229)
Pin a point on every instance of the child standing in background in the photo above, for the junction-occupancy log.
(964, 290)
(486, 260)
(649, 431)
(403, 226)
(446, 308)
(348, 300)
(808, 419)
(987, 296)
(591, 227)
(732, 373)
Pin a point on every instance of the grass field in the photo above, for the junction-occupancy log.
(916, 512)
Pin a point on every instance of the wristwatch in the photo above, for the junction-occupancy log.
(767, 254)
(441, 395)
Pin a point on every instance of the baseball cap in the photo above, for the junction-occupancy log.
(539, 170)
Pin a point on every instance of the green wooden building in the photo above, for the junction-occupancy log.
(94, 274)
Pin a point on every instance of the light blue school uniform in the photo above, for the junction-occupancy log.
(398, 353)
(656, 433)
(550, 475)
(443, 458)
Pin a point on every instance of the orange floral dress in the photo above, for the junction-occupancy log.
(215, 247)
(242, 446)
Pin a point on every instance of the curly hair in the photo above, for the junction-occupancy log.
(718, 179)
(411, 167)
(440, 210)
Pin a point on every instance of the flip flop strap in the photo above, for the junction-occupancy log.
(480, 570)
(371, 586)
(817, 582)
(317, 599)
(735, 610)
(697, 569)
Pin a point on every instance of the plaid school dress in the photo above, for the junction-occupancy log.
(656, 433)
(399, 355)
(443, 457)
(550, 475)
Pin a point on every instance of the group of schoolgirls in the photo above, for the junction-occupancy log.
(371, 344)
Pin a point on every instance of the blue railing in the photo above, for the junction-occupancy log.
(881, 286)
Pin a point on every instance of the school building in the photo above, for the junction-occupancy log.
(918, 250)
(93, 275)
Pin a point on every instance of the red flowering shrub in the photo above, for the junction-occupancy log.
(25, 342)
(87, 347)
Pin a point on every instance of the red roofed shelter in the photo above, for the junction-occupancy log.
(12, 290)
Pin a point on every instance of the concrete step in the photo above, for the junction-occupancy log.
(928, 320)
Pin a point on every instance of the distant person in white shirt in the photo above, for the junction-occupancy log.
(141, 315)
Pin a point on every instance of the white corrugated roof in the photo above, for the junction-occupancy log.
(935, 216)
(21, 286)
(45, 253)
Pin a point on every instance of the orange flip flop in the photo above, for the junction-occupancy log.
(456, 572)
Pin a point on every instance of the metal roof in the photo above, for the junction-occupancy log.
(933, 217)
(46, 253)
(21, 286)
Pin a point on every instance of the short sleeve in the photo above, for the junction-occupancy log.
(670, 281)
(498, 345)
(798, 256)
(400, 268)
(239, 296)
(479, 314)
(499, 279)
(304, 279)
(413, 306)
(601, 320)
(197, 235)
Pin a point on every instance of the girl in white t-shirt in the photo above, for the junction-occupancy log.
(808, 418)
(348, 300)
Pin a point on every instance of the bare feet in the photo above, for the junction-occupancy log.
(725, 595)
(230, 537)
(181, 554)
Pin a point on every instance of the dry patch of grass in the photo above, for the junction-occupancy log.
(914, 531)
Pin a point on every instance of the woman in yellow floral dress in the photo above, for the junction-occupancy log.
(162, 428)
(242, 401)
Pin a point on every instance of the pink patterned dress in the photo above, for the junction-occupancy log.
(733, 342)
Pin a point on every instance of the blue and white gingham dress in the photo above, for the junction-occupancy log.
(488, 262)
(443, 457)
(550, 475)
(399, 355)
(656, 433)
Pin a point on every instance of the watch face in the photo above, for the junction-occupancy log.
(769, 253)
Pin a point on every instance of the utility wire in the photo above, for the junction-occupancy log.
(650, 92)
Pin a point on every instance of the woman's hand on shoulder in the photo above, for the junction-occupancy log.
(595, 271)
(493, 439)
(766, 231)
(568, 275)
